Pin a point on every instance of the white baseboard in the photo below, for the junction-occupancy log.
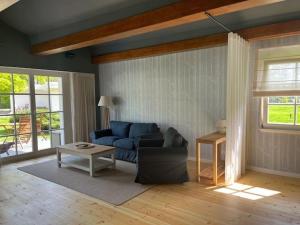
(274, 172)
(258, 169)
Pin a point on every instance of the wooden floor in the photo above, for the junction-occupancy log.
(27, 200)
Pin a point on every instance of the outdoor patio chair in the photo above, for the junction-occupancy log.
(5, 147)
(39, 129)
(24, 129)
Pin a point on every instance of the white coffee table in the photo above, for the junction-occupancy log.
(86, 159)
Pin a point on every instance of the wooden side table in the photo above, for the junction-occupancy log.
(215, 139)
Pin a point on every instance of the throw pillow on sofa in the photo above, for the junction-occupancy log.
(172, 138)
(120, 128)
(140, 129)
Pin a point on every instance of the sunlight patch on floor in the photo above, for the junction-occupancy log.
(262, 191)
(247, 191)
(247, 195)
(239, 187)
(225, 190)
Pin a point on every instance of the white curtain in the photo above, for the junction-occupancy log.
(83, 106)
(237, 86)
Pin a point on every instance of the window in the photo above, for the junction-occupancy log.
(278, 83)
(281, 112)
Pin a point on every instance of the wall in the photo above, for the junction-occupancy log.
(188, 91)
(271, 151)
(184, 90)
(15, 52)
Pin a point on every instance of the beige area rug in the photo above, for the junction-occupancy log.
(112, 186)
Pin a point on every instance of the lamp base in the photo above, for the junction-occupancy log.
(221, 130)
(105, 118)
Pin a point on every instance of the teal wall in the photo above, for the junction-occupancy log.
(15, 52)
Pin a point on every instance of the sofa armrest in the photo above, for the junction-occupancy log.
(150, 143)
(100, 133)
(155, 154)
(161, 165)
(157, 135)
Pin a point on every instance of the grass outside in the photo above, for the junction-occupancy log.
(7, 128)
(7, 131)
(4, 120)
(283, 114)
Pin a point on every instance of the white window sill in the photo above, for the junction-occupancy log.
(279, 131)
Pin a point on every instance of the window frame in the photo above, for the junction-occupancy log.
(264, 116)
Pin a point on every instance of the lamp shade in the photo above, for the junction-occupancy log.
(105, 101)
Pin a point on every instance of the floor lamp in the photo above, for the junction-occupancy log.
(105, 102)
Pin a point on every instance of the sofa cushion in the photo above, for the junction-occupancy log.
(124, 143)
(172, 138)
(139, 129)
(126, 155)
(100, 133)
(120, 128)
(108, 140)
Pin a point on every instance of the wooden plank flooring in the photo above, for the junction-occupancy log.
(27, 200)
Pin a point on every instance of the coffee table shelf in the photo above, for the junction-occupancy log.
(84, 164)
(86, 159)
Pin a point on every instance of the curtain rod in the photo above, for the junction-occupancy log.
(217, 22)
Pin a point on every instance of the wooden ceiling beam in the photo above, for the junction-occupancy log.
(276, 30)
(180, 13)
(161, 49)
(4, 4)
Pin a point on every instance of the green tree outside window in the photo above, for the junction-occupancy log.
(21, 85)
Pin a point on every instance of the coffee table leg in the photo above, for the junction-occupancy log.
(92, 166)
(113, 160)
(58, 153)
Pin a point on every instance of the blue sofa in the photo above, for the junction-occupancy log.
(125, 136)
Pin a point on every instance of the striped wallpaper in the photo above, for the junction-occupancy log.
(188, 91)
(184, 90)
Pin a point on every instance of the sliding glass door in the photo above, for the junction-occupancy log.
(31, 112)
